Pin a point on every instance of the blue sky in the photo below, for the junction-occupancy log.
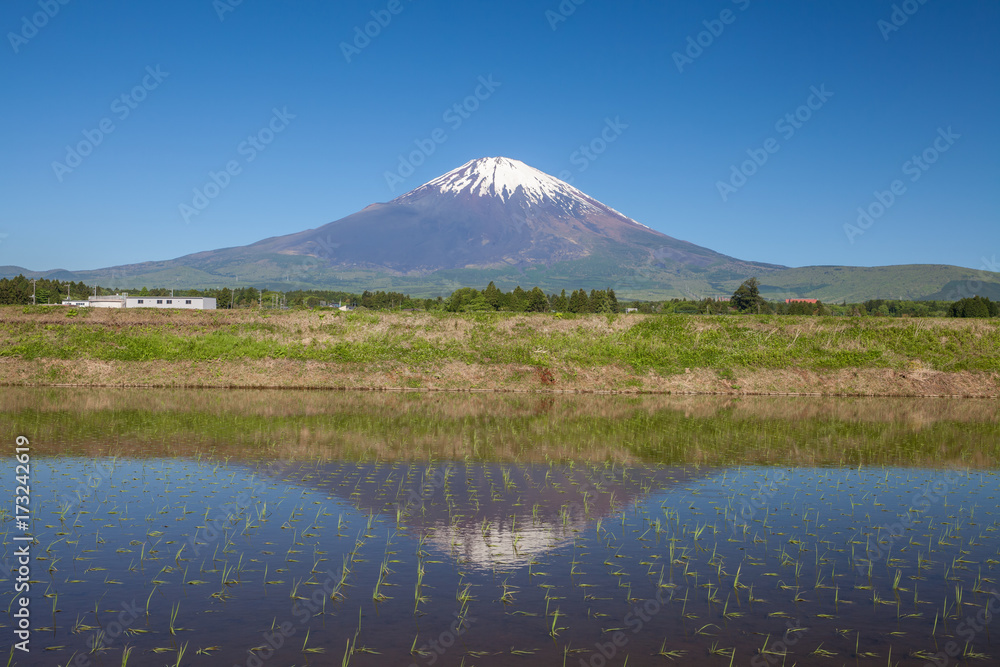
(693, 95)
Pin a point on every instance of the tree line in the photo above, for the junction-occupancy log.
(746, 299)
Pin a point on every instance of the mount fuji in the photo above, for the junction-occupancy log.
(491, 213)
(499, 219)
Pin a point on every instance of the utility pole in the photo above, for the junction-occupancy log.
(33, 292)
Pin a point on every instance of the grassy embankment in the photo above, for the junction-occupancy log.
(724, 354)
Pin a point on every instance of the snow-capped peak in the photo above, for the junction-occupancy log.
(503, 178)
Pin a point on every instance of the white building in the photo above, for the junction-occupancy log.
(186, 302)
(126, 301)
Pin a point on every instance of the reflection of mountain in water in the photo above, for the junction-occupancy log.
(487, 515)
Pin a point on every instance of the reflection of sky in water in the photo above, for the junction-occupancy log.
(590, 540)
(863, 525)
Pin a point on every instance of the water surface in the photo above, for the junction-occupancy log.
(294, 528)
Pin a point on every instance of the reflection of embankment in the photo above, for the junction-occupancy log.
(487, 515)
(290, 402)
(678, 430)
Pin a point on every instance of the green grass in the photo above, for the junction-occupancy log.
(663, 344)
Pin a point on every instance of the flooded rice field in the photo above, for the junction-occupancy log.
(282, 528)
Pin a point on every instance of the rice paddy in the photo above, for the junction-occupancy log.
(644, 552)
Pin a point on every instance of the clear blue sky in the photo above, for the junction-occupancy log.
(220, 74)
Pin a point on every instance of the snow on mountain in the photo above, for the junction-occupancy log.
(512, 182)
(501, 177)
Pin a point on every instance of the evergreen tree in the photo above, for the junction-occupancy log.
(492, 295)
(747, 297)
(976, 306)
(578, 302)
(560, 303)
(537, 301)
(518, 300)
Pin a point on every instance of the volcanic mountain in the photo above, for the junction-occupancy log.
(489, 213)
(499, 219)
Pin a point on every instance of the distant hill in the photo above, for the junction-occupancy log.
(499, 219)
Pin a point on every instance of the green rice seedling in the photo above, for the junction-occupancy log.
(763, 650)
(311, 650)
(703, 630)
(294, 594)
(377, 595)
(554, 630)
(180, 654)
(822, 652)
(729, 615)
(98, 643)
(725, 652)
(673, 654)
(174, 610)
